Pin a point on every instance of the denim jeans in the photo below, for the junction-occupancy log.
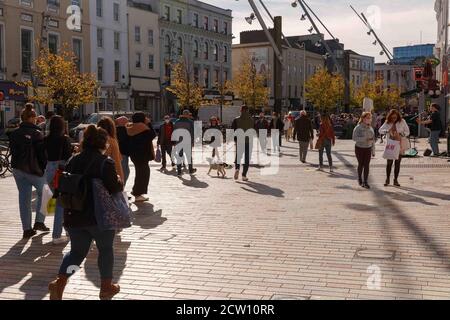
(327, 147)
(434, 142)
(25, 183)
(246, 153)
(80, 244)
(50, 172)
(126, 168)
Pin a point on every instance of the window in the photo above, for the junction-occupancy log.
(195, 49)
(77, 50)
(116, 40)
(150, 37)
(26, 41)
(206, 52)
(137, 34)
(216, 77)
(100, 69)
(225, 75)
(225, 27)
(196, 21)
(168, 46)
(179, 16)
(180, 46)
(205, 23)
(99, 8)
(53, 5)
(196, 74)
(53, 43)
(225, 54)
(216, 25)
(26, 17)
(167, 13)
(206, 77)
(116, 71)
(99, 37)
(116, 12)
(216, 52)
(138, 60)
(151, 62)
(28, 3)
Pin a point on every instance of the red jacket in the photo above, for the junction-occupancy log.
(327, 132)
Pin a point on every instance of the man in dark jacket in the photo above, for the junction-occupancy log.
(244, 122)
(165, 141)
(185, 122)
(276, 124)
(304, 133)
(122, 138)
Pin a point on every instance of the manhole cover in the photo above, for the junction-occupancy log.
(290, 298)
(375, 254)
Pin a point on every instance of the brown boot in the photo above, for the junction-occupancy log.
(56, 287)
(108, 289)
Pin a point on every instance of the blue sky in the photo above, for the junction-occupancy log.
(401, 22)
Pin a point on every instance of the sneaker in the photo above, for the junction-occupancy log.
(396, 183)
(192, 171)
(387, 183)
(244, 179)
(61, 240)
(366, 186)
(141, 198)
(331, 169)
(39, 226)
(29, 233)
(236, 175)
(319, 168)
(163, 169)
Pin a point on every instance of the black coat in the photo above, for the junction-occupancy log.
(58, 148)
(303, 129)
(28, 149)
(122, 137)
(90, 161)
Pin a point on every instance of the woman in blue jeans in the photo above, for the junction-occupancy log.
(327, 139)
(82, 225)
(28, 161)
(58, 149)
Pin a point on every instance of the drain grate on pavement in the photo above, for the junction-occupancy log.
(289, 298)
(379, 254)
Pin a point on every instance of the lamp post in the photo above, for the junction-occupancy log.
(303, 46)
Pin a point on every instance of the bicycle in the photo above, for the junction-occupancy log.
(5, 159)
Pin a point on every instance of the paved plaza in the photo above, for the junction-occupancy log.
(300, 234)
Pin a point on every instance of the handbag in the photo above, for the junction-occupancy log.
(405, 145)
(112, 211)
(158, 155)
(392, 150)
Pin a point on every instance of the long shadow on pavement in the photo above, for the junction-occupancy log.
(262, 189)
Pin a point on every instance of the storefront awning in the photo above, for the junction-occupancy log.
(145, 85)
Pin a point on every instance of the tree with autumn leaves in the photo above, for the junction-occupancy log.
(60, 82)
(324, 90)
(383, 98)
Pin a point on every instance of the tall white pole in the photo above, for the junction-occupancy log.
(304, 76)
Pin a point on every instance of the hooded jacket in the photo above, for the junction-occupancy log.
(140, 142)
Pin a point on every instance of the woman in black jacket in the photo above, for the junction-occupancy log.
(82, 226)
(140, 149)
(28, 161)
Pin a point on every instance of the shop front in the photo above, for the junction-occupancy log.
(14, 99)
(146, 97)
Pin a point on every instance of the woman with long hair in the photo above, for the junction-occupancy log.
(395, 128)
(28, 161)
(364, 136)
(113, 150)
(92, 163)
(58, 149)
(327, 139)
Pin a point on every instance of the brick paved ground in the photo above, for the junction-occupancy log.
(294, 235)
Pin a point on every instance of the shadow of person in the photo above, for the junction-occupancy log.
(120, 261)
(262, 189)
(194, 182)
(427, 194)
(146, 217)
(39, 259)
(408, 198)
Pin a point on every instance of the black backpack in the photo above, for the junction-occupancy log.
(73, 189)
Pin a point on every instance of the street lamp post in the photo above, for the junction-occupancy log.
(303, 46)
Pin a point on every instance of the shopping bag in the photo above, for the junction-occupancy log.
(392, 150)
(158, 155)
(404, 145)
(48, 204)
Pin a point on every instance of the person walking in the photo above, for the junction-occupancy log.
(395, 128)
(28, 161)
(185, 122)
(165, 141)
(435, 126)
(304, 133)
(122, 138)
(364, 136)
(244, 122)
(82, 226)
(276, 124)
(287, 126)
(113, 150)
(214, 124)
(326, 140)
(58, 149)
(140, 147)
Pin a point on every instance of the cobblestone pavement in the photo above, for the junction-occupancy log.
(300, 234)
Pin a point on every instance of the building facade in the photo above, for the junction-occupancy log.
(109, 53)
(22, 24)
(199, 33)
(144, 59)
(361, 68)
(442, 49)
(400, 76)
(411, 54)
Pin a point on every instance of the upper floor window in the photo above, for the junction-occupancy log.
(225, 54)
(206, 52)
(180, 46)
(179, 16)
(168, 46)
(195, 49)
(216, 25)
(116, 12)
(196, 20)
(206, 23)
(116, 40)
(99, 7)
(137, 33)
(53, 43)
(150, 37)
(216, 52)
(225, 27)
(100, 37)
(167, 13)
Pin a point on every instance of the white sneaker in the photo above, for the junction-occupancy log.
(62, 240)
(141, 199)
(236, 175)
(244, 179)
(319, 169)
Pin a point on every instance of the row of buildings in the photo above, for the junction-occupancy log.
(128, 44)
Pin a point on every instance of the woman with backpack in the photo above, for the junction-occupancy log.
(91, 163)
(28, 161)
(58, 149)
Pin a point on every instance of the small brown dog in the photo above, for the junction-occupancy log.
(220, 167)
